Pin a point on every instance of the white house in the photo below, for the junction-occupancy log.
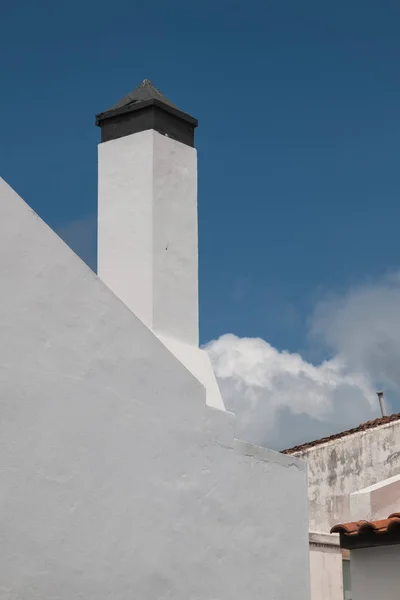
(373, 541)
(121, 476)
(339, 466)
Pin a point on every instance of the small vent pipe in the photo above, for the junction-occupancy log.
(381, 402)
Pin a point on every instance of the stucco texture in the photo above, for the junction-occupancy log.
(339, 468)
(325, 565)
(116, 480)
(147, 234)
(375, 573)
(147, 241)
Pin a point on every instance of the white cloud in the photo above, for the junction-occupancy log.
(280, 399)
(364, 326)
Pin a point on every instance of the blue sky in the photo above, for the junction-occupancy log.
(298, 140)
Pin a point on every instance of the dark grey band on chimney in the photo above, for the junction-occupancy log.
(146, 108)
(150, 114)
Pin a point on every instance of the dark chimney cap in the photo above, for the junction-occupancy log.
(146, 108)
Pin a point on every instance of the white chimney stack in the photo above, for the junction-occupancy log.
(147, 221)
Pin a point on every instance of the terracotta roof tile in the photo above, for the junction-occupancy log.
(363, 427)
(359, 527)
(356, 534)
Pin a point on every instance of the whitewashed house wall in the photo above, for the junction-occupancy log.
(117, 480)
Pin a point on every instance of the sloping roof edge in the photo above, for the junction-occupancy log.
(363, 427)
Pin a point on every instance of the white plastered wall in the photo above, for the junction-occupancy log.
(377, 501)
(147, 241)
(117, 481)
(147, 230)
(325, 564)
(372, 503)
(375, 573)
(340, 467)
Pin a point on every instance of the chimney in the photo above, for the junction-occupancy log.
(147, 211)
(147, 222)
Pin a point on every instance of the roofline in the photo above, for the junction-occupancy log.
(369, 534)
(369, 540)
(301, 449)
(321, 540)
